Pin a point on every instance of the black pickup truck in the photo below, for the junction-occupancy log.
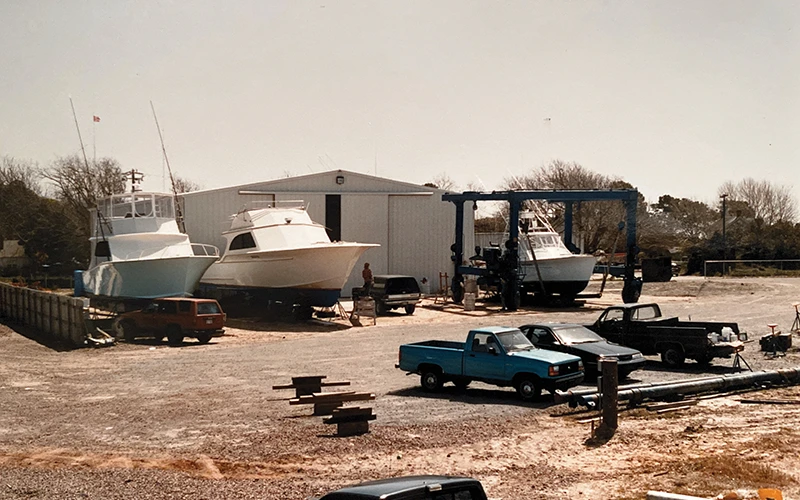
(642, 327)
(413, 488)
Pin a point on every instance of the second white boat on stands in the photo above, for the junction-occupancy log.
(278, 253)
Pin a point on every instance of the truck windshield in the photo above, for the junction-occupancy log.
(514, 340)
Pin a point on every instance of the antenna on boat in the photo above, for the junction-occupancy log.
(178, 211)
(83, 150)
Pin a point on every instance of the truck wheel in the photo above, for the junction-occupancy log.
(125, 330)
(174, 335)
(431, 380)
(673, 357)
(204, 338)
(529, 389)
(410, 309)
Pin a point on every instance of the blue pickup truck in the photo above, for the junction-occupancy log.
(496, 355)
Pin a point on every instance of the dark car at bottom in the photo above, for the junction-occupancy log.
(413, 488)
(580, 341)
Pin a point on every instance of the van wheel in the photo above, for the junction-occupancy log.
(431, 380)
(673, 357)
(410, 309)
(204, 338)
(529, 389)
(174, 335)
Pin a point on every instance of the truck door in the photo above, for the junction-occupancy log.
(485, 358)
(147, 318)
(167, 312)
(612, 325)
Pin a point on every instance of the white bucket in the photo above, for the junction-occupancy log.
(469, 301)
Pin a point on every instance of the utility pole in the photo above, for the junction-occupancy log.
(724, 241)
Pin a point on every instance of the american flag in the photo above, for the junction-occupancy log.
(96, 118)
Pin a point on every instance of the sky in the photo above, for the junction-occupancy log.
(674, 97)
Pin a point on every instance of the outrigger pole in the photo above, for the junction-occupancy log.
(178, 211)
(83, 150)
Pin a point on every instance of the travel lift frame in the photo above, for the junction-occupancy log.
(632, 287)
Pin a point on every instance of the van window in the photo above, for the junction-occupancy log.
(185, 306)
(167, 308)
(406, 284)
(208, 308)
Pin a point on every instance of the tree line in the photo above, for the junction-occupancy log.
(46, 209)
(760, 217)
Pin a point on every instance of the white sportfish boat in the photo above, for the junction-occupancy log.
(139, 252)
(279, 253)
(547, 262)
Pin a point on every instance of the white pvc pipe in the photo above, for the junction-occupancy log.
(661, 495)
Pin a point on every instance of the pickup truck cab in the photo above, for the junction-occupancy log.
(174, 318)
(413, 488)
(497, 355)
(642, 327)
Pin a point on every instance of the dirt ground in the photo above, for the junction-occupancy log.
(202, 421)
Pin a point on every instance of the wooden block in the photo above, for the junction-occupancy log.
(352, 428)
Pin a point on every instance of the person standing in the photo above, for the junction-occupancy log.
(368, 280)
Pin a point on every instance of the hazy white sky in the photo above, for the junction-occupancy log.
(673, 97)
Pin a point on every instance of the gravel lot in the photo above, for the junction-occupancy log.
(202, 421)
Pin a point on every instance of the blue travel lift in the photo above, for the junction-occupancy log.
(511, 278)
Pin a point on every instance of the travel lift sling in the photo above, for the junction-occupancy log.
(632, 287)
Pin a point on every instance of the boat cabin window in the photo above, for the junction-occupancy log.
(102, 249)
(241, 241)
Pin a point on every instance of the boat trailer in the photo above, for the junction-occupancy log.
(508, 269)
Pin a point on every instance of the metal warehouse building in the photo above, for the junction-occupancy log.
(414, 227)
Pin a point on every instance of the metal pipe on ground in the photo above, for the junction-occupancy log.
(787, 376)
(572, 394)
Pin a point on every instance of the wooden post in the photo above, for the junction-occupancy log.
(608, 425)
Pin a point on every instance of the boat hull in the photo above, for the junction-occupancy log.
(315, 274)
(147, 278)
(567, 275)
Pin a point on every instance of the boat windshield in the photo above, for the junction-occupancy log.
(545, 240)
(577, 335)
(137, 205)
(514, 340)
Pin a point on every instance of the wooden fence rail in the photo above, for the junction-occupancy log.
(59, 316)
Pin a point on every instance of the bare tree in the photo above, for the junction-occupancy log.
(183, 185)
(595, 221)
(769, 202)
(23, 171)
(443, 181)
(80, 185)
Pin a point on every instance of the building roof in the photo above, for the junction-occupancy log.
(289, 182)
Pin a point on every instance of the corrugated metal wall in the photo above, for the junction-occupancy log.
(415, 231)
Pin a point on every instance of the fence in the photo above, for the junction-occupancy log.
(59, 316)
(751, 267)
